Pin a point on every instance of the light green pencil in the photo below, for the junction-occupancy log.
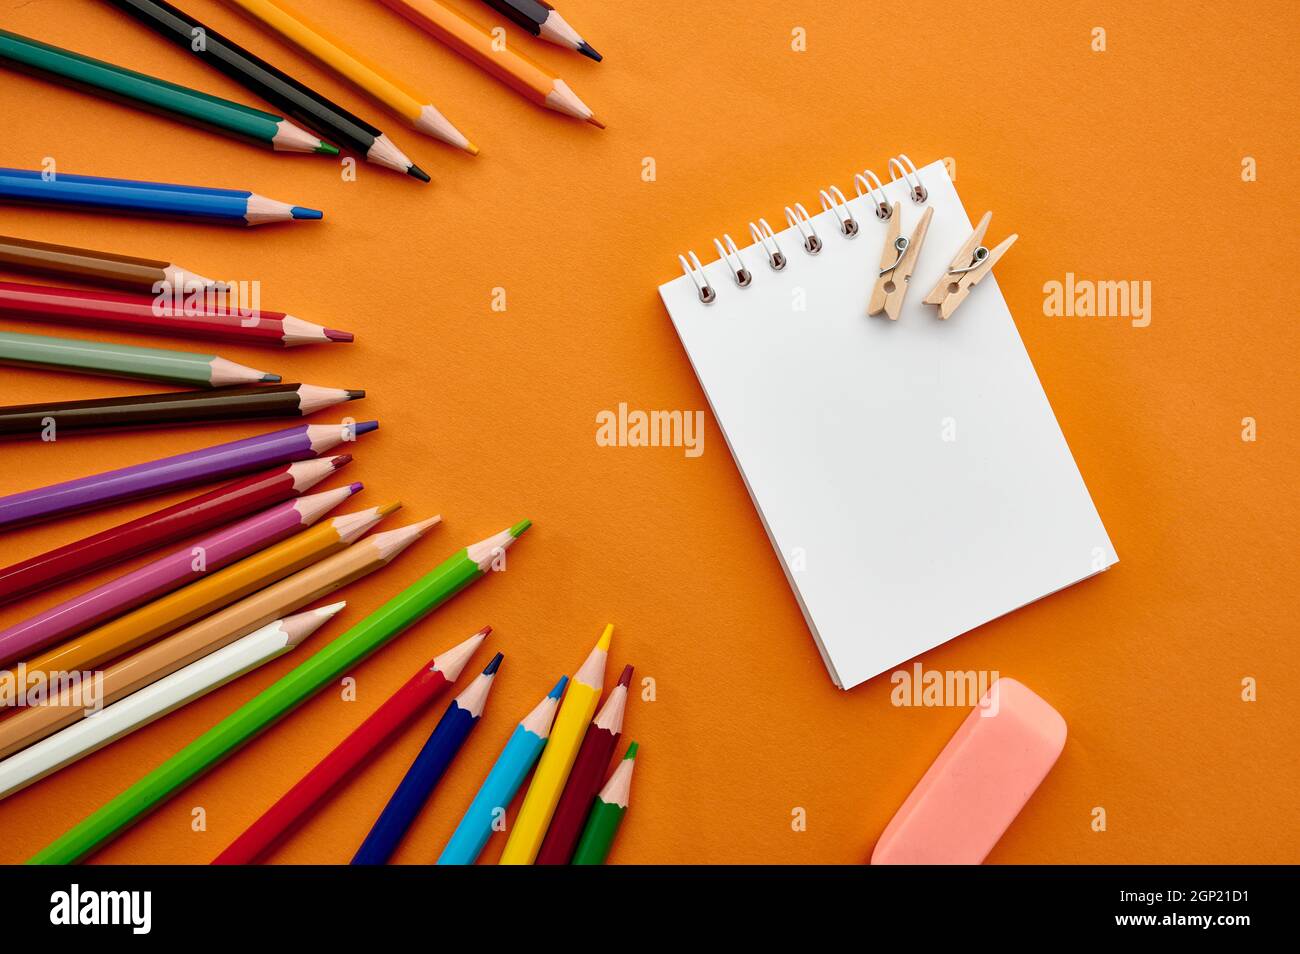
(332, 662)
(157, 95)
(126, 361)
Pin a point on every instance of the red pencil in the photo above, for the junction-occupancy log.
(368, 738)
(204, 512)
(586, 777)
(211, 314)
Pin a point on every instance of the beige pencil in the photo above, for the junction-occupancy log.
(166, 656)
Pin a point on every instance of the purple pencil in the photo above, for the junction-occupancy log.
(167, 573)
(195, 467)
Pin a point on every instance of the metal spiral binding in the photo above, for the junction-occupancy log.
(867, 183)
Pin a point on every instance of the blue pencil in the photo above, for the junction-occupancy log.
(503, 782)
(429, 766)
(148, 198)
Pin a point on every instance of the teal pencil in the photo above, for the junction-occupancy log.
(504, 780)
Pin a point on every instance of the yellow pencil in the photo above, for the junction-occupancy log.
(119, 636)
(349, 64)
(557, 758)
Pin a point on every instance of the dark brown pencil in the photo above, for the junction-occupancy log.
(175, 408)
(96, 268)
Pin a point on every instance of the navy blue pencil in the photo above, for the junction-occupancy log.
(429, 766)
(147, 198)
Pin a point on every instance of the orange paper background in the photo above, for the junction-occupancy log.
(1121, 165)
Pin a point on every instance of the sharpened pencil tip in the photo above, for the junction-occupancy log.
(356, 394)
(483, 633)
(365, 427)
(470, 148)
(631, 752)
(424, 525)
(340, 460)
(595, 122)
(269, 378)
(626, 678)
(333, 335)
(327, 149)
(415, 172)
(605, 637)
(303, 213)
(586, 49)
(559, 688)
(494, 665)
(356, 487)
(386, 509)
(518, 529)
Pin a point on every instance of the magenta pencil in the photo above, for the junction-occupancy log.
(209, 464)
(167, 573)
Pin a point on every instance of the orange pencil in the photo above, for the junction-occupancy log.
(474, 43)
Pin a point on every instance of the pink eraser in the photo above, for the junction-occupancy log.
(978, 784)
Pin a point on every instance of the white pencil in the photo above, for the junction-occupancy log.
(166, 695)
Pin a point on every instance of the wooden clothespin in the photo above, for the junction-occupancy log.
(896, 264)
(972, 262)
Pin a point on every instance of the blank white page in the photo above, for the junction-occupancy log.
(894, 538)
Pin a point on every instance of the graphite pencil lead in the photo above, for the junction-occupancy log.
(586, 49)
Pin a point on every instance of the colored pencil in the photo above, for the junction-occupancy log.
(427, 770)
(557, 758)
(367, 740)
(210, 633)
(54, 420)
(119, 636)
(195, 515)
(513, 68)
(291, 97)
(170, 572)
(157, 95)
(125, 361)
(173, 313)
(166, 695)
(94, 194)
(97, 268)
(456, 573)
(371, 79)
(503, 782)
(607, 813)
(541, 19)
(585, 777)
(300, 442)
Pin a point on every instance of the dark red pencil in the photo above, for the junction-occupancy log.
(209, 510)
(586, 776)
(187, 313)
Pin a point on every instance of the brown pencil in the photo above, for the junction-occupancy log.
(96, 268)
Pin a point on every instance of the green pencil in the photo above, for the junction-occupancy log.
(329, 664)
(126, 361)
(607, 813)
(157, 95)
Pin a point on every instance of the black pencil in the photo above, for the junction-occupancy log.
(542, 19)
(210, 405)
(287, 94)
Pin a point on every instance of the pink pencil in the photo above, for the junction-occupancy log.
(167, 573)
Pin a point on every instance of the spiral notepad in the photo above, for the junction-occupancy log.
(910, 474)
